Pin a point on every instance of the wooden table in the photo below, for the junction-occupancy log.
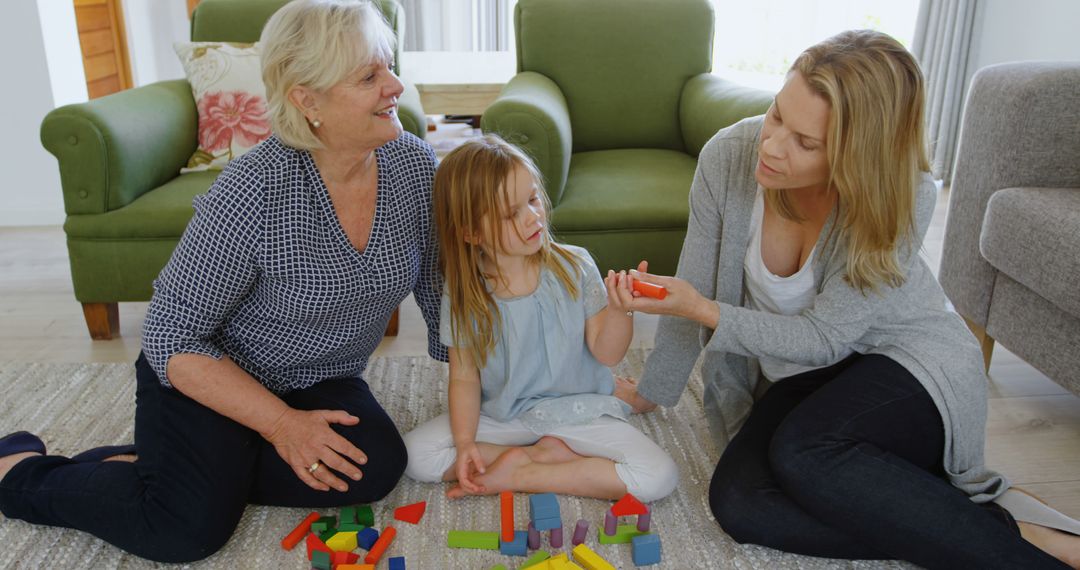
(458, 83)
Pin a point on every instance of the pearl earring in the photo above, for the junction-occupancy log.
(316, 123)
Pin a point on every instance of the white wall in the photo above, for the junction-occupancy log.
(152, 27)
(1028, 30)
(45, 74)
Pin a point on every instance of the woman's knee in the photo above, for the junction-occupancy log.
(385, 465)
(197, 535)
(735, 504)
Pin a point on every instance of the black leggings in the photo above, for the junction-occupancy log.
(195, 473)
(845, 462)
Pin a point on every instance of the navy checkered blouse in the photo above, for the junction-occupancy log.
(265, 273)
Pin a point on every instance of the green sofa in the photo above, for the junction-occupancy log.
(120, 157)
(614, 99)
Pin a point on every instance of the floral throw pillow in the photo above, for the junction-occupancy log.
(226, 81)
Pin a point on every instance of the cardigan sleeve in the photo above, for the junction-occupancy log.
(428, 287)
(840, 315)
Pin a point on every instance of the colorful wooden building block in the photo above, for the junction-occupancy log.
(320, 560)
(516, 547)
(411, 513)
(323, 524)
(590, 560)
(544, 511)
(315, 545)
(293, 538)
(364, 515)
(473, 539)
(646, 549)
(339, 558)
(506, 519)
(366, 538)
(355, 567)
(342, 542)
(580, 531)
(397, 563)
(381, 545)
(624, 534)
(347, 516)
(534, 537)
(535, 559)
(628, 505)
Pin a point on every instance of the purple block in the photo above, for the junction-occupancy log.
(643, 521)
(610, 523)
(580, 531)
(556, 537)
(534, 537)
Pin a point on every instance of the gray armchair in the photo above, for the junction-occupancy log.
(1011, 259)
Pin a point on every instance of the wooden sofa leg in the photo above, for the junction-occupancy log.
(986, 343)
(392, 326)
(102, 320)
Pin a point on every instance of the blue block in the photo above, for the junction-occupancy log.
(397, 563)
(547, 524)
(646, 549)
(367, 537)
(543, 506)
(516, 547)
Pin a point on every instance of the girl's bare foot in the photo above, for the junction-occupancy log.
(7, 462)
(1061, 545)
(499, 476)
(549, 449)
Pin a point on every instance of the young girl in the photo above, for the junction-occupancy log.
(532, 330)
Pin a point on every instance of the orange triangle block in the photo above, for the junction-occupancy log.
(628, 505)
(411, 513)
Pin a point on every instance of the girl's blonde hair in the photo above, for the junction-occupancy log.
(470, 194)
(876, 148)
(317, 44)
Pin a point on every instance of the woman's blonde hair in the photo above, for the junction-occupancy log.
(876, 148)
(470, 195)
(317, 44)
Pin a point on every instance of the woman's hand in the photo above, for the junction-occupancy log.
(682, 299)
(626, 390)
(303, 437)
(469, 462)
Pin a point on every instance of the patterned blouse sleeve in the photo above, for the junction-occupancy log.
(592, 285)
(428, 288)
(210, 272)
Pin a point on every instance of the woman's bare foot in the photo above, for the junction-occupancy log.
(128, 457)
(549, 449)
(499, 476)
(1061, 545)
(7, 462)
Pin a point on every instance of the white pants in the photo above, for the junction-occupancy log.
(647, 470)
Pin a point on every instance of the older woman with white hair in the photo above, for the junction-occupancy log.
(261, 324)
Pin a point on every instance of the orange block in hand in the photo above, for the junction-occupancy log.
(650, 289)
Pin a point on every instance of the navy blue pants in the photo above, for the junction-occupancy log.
(196, 472)
(846, 462)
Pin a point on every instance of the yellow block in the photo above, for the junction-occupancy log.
(342, 542)
(590, 560)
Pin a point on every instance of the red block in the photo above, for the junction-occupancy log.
(343, 558)
(411, 513)
(294, 537)
(313, 544)
(380, 545)
(650, 289)
(628, 505)
(506, 505)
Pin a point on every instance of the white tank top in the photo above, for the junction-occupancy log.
(774, 294)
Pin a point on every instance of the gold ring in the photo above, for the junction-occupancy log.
(314, 467)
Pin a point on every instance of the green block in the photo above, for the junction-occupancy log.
(347, 516)
(535, 559)
(320, 560)
(326, 534)
(365, 516)
(623, 534)
(473, 539)
(350, 527)
(498, 567)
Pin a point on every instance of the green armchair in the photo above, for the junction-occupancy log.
(120, 157)
(613, 100)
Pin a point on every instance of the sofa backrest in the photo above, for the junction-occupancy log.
(243, 20)
(621, 64)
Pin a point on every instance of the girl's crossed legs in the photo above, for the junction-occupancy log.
(605, 458)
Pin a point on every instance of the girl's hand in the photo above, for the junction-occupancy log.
(303, 437)
(469, 462)
(682, 299)
(626, 390)
(619, 295)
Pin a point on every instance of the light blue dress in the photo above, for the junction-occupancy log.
(541, 370)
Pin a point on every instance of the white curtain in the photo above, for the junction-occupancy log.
(458, 25)
(944, 35)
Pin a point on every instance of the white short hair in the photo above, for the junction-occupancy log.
(317, 44)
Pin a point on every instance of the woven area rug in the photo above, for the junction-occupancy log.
(77, 406)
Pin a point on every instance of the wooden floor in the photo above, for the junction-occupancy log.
(1033, 431)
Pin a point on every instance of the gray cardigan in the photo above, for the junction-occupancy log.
(909, 324)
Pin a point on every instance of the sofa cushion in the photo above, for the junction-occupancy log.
(1033, 236)
(159, 213)
(630, 189)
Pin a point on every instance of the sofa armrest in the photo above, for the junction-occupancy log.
(1019, 129)
(411, 112)
(113, 149)
(531, 112)
(710, 103)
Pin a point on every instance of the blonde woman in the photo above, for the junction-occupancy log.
(852, 403)
(261, 324)
(532, 329)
